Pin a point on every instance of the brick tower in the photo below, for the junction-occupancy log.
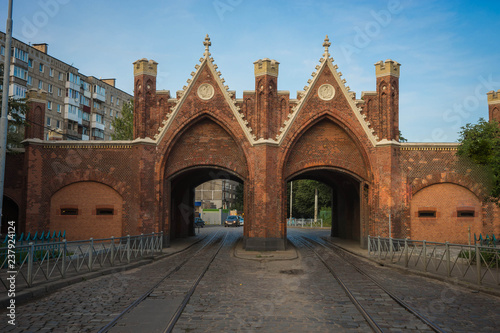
(267, 116)
(144, 96)
(494, 105)
(35, 116)
(388, 99)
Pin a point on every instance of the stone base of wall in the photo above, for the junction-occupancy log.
(264, 244)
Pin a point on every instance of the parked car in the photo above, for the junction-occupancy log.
(242, 221)
(232, 221)
(198, 222)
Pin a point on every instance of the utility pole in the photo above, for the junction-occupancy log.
(315, 205)
(5, 102)
(291, 201)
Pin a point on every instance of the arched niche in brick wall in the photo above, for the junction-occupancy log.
(325, 144)
(204, 142)
(87, 209)
(444, 212)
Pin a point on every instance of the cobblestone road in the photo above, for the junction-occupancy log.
(295, 295)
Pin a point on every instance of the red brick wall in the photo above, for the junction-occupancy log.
(325, 144)
(206, 143)
(52, 166)
(86, 197)
(494, 112)
(35, 117)
(424, 167)
(446, 199)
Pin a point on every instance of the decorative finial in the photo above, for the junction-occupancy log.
(326, 45)
(207, 44)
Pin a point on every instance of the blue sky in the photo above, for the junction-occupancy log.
(449, 50)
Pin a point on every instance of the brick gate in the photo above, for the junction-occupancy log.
(262, 140)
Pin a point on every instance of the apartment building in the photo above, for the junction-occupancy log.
(219, 193)
(79, 107)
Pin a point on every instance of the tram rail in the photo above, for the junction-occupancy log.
(340, 259)
(217, 241)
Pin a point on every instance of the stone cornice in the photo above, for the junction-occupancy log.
(429, 146)
(87, 144)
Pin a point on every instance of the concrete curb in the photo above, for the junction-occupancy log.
(240, 253)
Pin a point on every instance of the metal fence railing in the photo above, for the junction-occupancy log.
(34, 264)
(473, 263)
(44, 237)
(305, 223)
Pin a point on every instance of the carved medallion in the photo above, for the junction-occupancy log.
(205, 91)
(326, 92)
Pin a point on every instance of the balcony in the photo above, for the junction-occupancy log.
(70, 115)
(98, 125)
(73, 134)
(72, 101)
(72, 85)
(99, 97)
(19, 62)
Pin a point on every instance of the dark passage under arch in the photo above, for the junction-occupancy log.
(181, 194)
(346, 200)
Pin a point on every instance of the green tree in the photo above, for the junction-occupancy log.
(402, 138)
(239, 203)
(303, 197)
(16, 112)
(481, 143)
(123, 126)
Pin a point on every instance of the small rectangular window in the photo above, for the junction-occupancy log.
(465, 213)
(69, 211)
(105, 211)
(427, 213)
(41, 68)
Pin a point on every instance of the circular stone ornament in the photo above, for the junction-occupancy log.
(326, 92)
(205, 91)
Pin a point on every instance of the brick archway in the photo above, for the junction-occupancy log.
(325, 150)
(204, 149)
(10, 212)
(179, 198)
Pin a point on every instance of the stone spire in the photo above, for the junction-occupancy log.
(207, 44)
(326, 45)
